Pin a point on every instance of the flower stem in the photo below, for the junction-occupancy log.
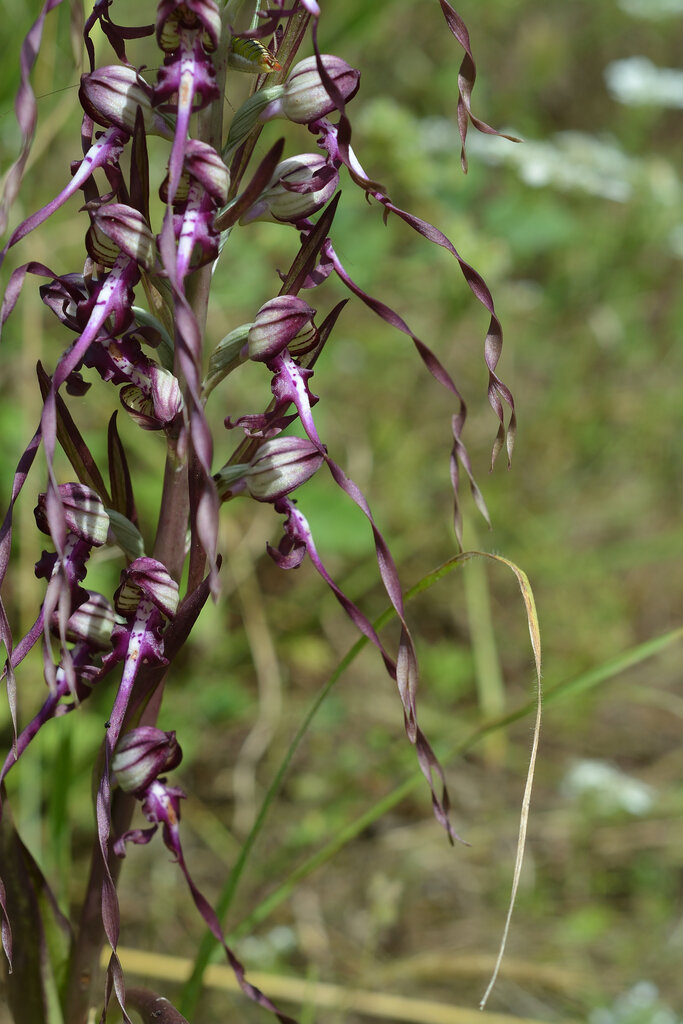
(169, 545)
(170, 549)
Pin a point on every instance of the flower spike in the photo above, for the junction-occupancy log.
(136, 314)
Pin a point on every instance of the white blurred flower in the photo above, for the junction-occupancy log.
(640, 1005)
(571, 161)
(637, 82)
(652, 9)
(676, 240)
(607, 788)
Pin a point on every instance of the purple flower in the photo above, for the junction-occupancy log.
(75, 518)
(187, 80)
(90, 627)
(161, 806)
(197, 240)
(146, 597)
(201, 164)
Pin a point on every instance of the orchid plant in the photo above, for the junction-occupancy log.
(135, 314)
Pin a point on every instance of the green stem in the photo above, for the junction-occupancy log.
(169, 545)
(83, 965)
(488, 673)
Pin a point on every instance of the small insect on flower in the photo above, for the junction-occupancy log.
(251, 56)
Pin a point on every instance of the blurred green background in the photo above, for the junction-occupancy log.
(578, 233)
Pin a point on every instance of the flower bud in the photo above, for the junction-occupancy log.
(281, 465)
(142, 755)
(277, 323)
(112, 94)
(127, 229)
(156, 406)
(306, 99)
(176, 16)
(202, 164)
(146, 578)
(84, 513)
(299, 187)
(92, 623)
(167, 399)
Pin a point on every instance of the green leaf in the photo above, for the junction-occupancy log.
(139, 168)
(247, 117)
(128, 537)
(166, 346)
(122, 500)
(225, 358)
